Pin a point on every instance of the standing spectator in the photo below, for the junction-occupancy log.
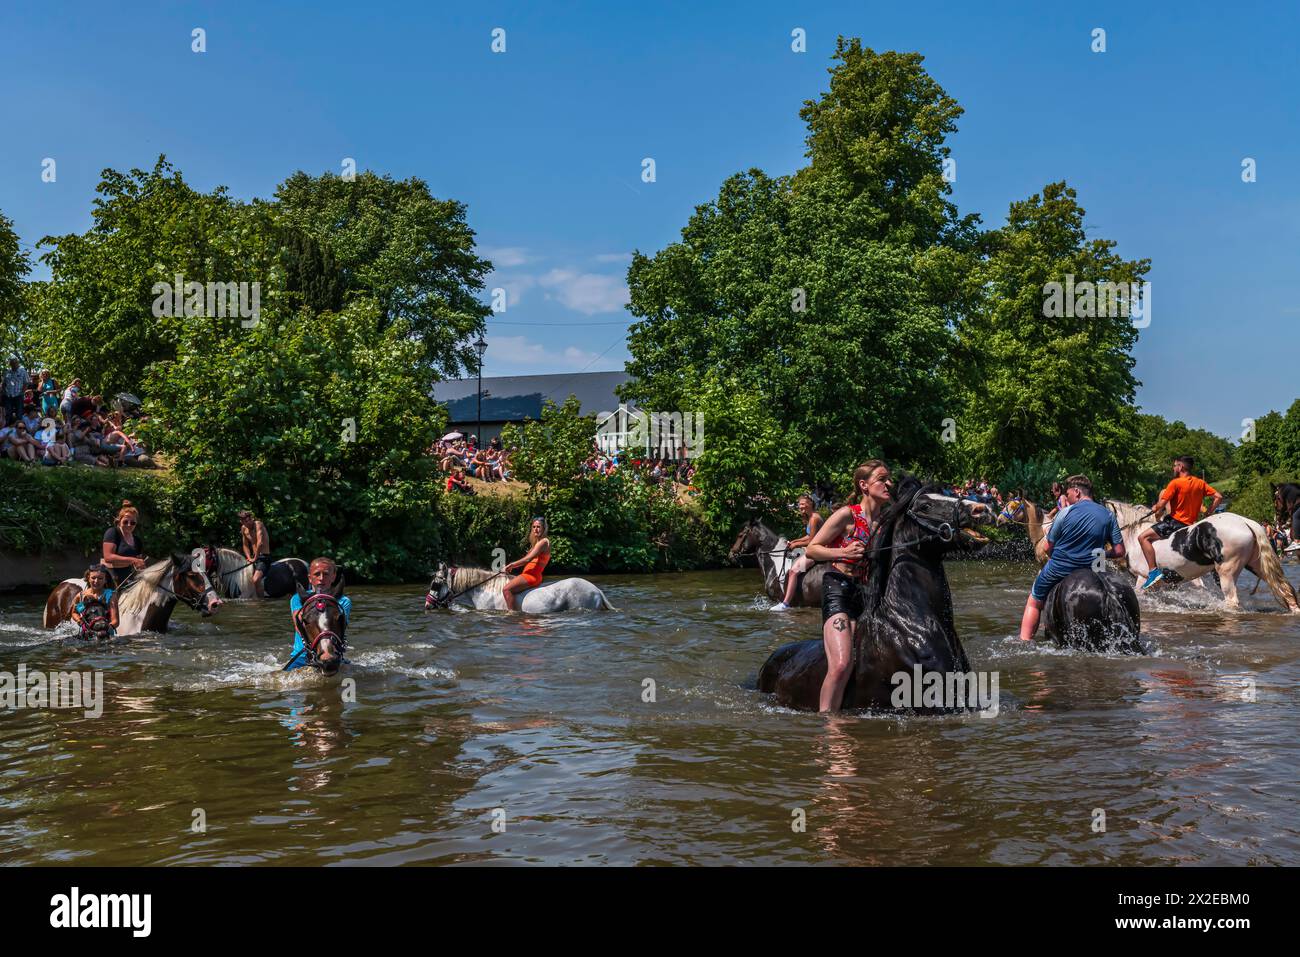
(70, 395)
(48, 392)
(15, 384)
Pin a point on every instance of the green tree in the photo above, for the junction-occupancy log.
(95, 317)
(396, 244)
(829, 295)
(1037, 384)
(14, 266)
(317, 422)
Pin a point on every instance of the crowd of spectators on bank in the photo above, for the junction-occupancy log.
(43, 423)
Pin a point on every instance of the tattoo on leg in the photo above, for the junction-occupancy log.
(840, 624)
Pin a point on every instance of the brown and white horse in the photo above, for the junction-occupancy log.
(145, 602)
(322, 625)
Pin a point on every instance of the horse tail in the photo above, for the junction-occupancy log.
(604, 602)
(1272, 571)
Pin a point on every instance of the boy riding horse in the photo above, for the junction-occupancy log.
(1183, 498)
(323, 574)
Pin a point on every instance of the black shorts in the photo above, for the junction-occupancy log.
(1167, 526)
(842, 594)
(262, 563)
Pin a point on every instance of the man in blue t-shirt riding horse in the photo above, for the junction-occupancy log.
(1080, 529)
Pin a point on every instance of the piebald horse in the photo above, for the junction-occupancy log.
(232, 573)
(774, 560)
(481, 588)
(146, 601)
(1224, 543)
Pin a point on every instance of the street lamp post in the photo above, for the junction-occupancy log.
(480, 347)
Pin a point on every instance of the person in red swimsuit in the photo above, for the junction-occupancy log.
(533, 563)
(843, 540)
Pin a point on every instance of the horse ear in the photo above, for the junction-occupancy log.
(337, 588)
(302, 592)
(183, 560)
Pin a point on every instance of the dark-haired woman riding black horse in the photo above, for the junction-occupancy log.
(904, 616)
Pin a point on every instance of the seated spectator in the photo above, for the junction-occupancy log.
(31, 419)
(84, 449)
(456, 482)
(57, 451)
(47, 431)
(478, 466)
(23, 447)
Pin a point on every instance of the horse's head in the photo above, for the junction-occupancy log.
(95, 624)
(1013, 511)
(321, 623)
(191, 583)
(921, 516)
(749, 541)
(439, 587)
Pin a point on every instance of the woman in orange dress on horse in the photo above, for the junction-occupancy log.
(532, 564)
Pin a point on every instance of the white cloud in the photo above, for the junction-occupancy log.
(614, 258)
(515, 287)
(585, 292)
(509, 256)
(520, 351)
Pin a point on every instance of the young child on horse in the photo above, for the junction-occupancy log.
(95, 610)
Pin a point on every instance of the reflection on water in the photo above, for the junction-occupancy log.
(455, 721)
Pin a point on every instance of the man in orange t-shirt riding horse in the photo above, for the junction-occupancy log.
(1183, 498)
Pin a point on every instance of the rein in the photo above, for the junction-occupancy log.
(429, 596)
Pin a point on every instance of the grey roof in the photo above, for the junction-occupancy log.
(513, 398)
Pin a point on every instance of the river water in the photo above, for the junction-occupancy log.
(491, 737)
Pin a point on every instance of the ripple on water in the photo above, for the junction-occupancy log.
(1190, 748)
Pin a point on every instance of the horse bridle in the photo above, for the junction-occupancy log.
(431, 598)
(311, 644)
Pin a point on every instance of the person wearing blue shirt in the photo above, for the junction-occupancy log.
(1079, 530)
(322, 574)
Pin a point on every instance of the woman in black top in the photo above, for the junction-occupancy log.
(123, 550)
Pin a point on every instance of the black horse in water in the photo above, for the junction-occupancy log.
(1094, 611)
(908, 618)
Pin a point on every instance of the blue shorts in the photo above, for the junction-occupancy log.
(1051, 573)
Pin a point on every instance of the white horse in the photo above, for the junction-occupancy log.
(232, 573)
(1225, 543)
(481, 588)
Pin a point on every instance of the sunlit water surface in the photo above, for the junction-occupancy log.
(493, 737)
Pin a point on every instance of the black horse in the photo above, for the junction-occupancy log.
(1094, 611)
(908, 619)
(760, 541)
(1286, 507)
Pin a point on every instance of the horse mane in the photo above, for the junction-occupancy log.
(228, 560)
(463, 579)
(1126, 515)
(135, 597)
(882, 549)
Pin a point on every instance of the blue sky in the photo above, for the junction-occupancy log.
(544, 142)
